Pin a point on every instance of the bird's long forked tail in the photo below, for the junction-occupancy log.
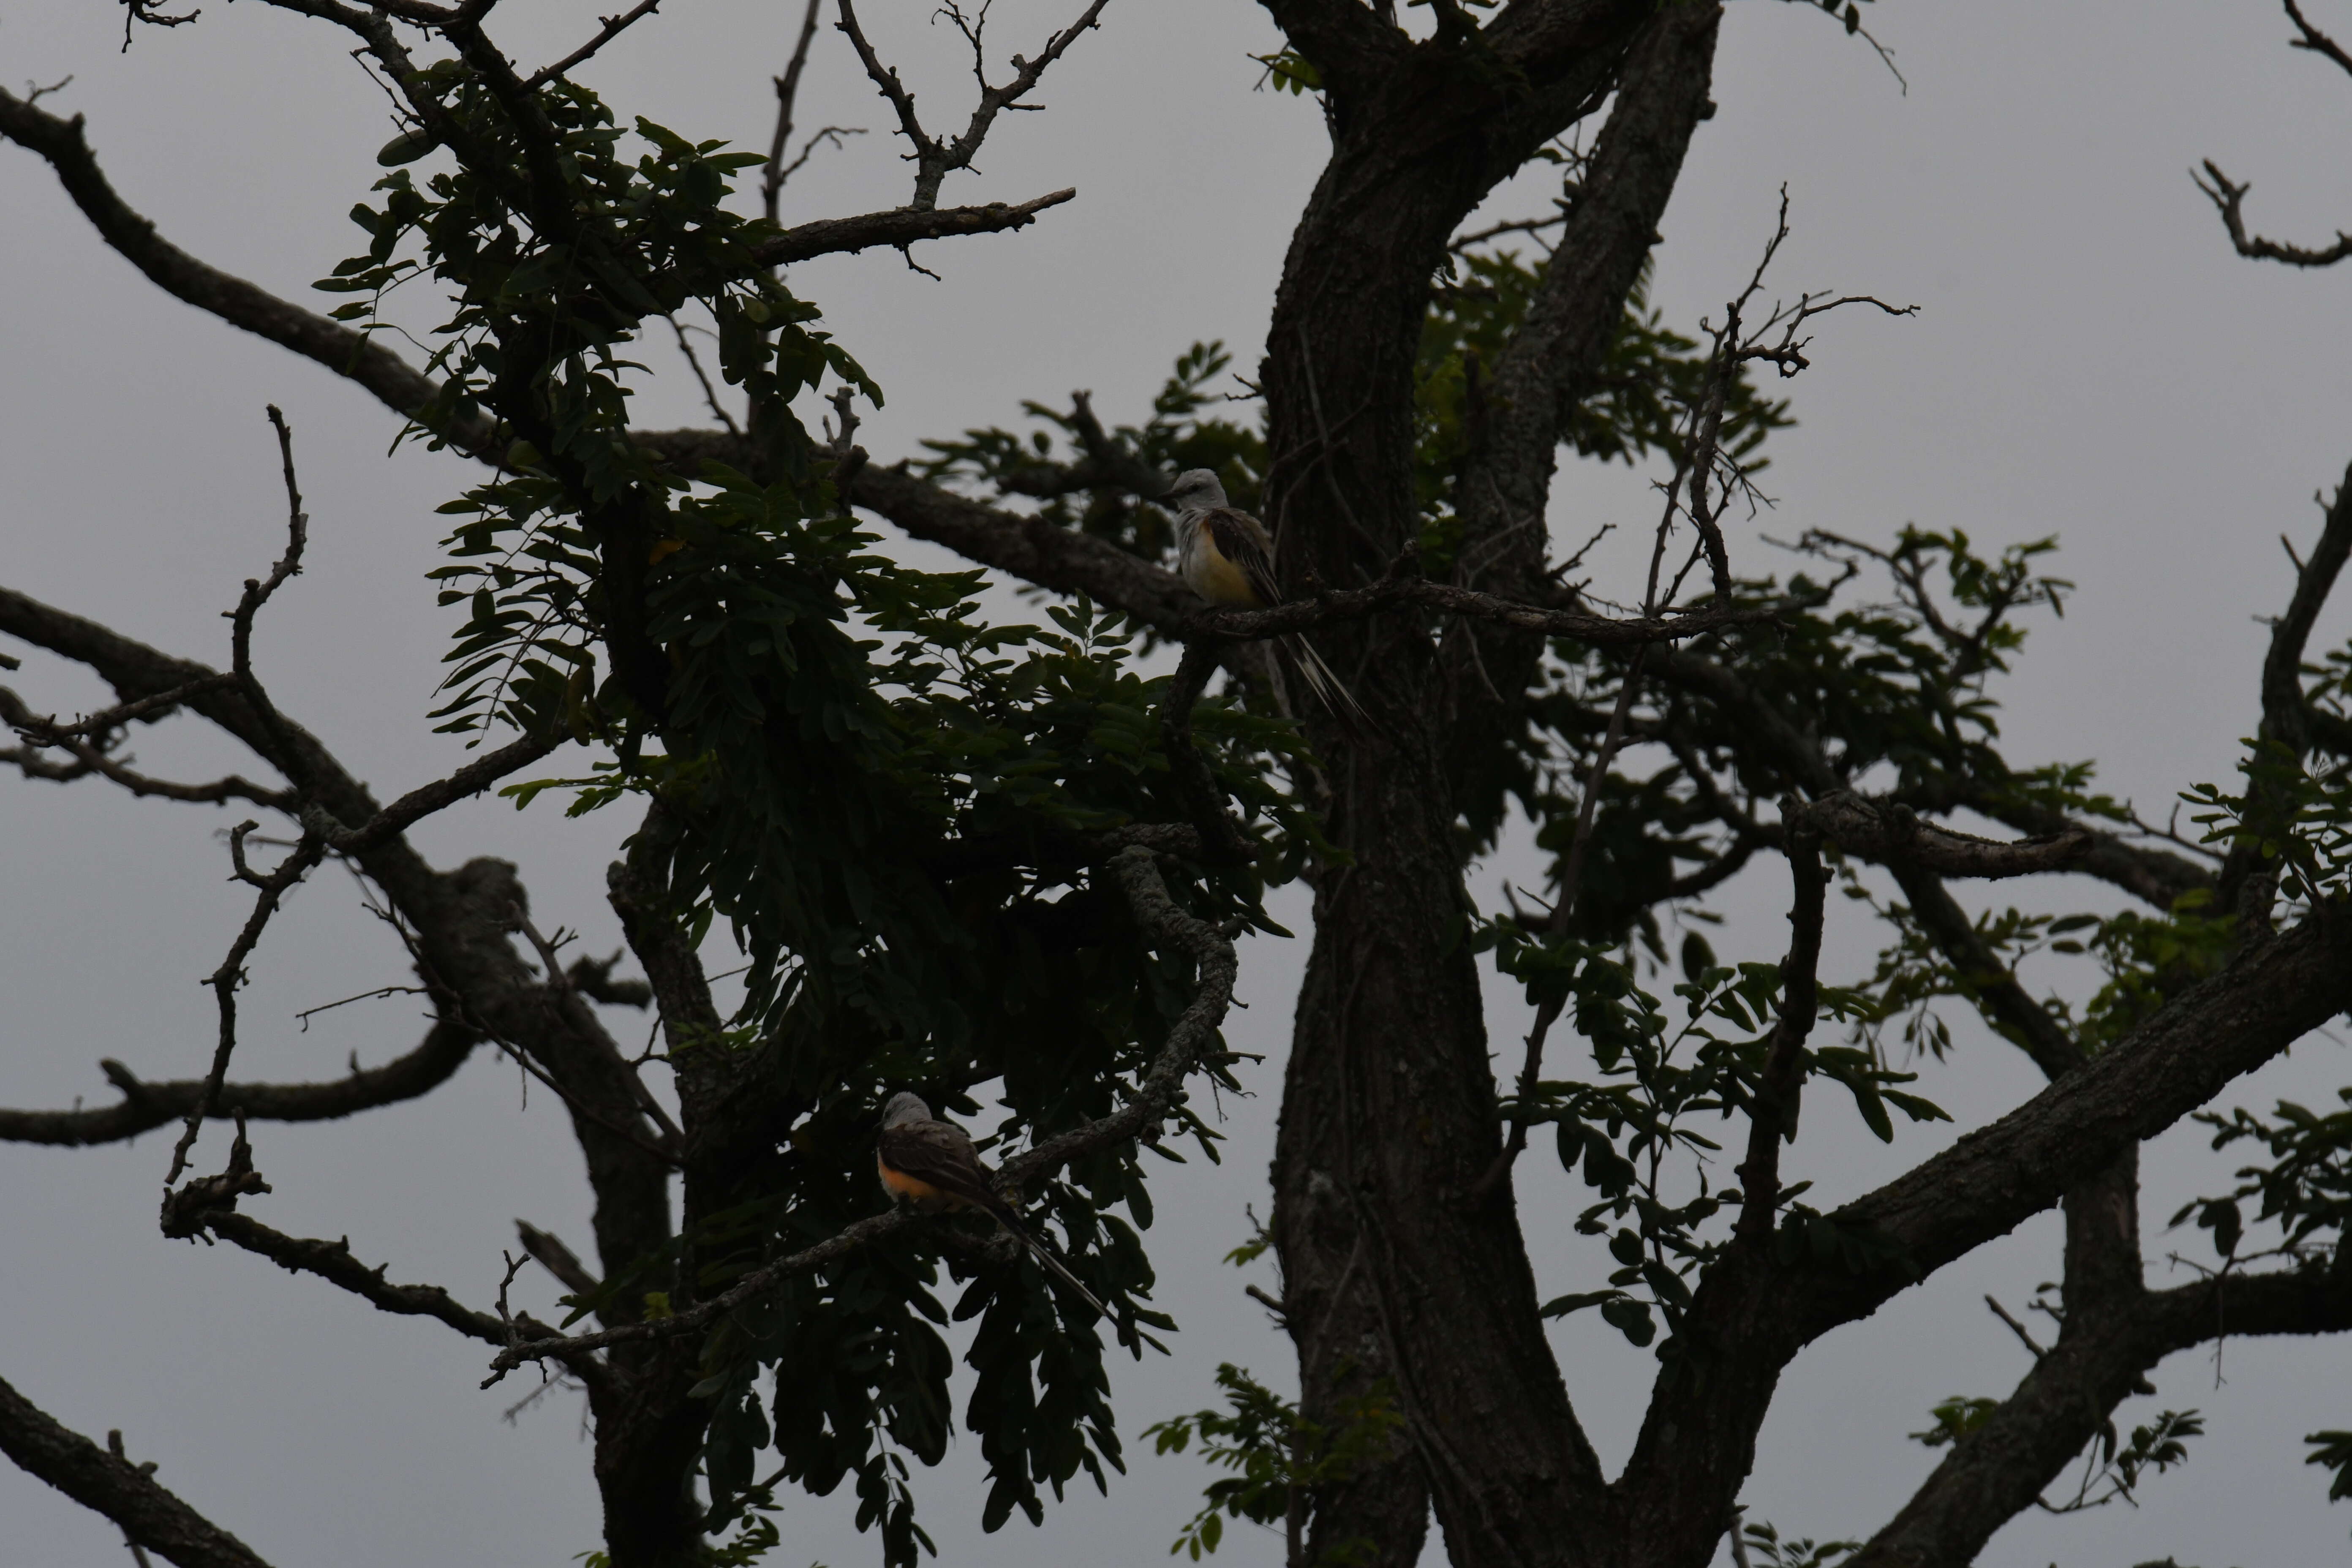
(1054, 1267)
(1329, 688)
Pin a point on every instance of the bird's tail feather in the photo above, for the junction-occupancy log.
(1054, 1267)
(1327, 687)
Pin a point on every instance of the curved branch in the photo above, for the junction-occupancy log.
(2229, 199)
(1188, 1041)
(2155, 877)
(2286, 707)
(350, 354)
(333, 1262)
(146, 1106)
(151, 1515)
(1998, 1471)
(1754, 1311)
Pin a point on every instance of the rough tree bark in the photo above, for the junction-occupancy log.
(1394, 1272)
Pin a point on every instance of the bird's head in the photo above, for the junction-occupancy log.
(1194, 490)
(903, 1108)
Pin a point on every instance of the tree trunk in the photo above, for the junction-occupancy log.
(1397, 1280)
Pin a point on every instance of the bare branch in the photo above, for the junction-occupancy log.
(145, 1105)
(935, 160)
(2313, 39)
(425, 799)
(1409, 593)
(709, 392)
(92, 759)
(350, 354)
(49, 733)
(898, 228)
(107, 1483)
(613, 28)
(2287, 711)
(333, 1262)
(2229, 199)
(271, 888)
(788, 86)
(225, 980)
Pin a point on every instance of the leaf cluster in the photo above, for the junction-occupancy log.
(1278, 1456)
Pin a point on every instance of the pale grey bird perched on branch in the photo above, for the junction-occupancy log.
(932, 1165)
(1226, 556)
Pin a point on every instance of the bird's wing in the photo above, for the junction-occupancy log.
(941, 1154)
(1243, 540)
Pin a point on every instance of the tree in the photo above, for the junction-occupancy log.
(934, 835)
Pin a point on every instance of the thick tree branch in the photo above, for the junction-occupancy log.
(145, 1105)
(1998, 1471)
(152, 1516)
(1755, 1309)
(1038, 551)
(2155, 877)
(1893, 834)
(350, 354)
(1994, 1179)
(1029, 548)
(557, 1258)
(1505, 481)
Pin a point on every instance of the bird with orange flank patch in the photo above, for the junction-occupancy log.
(931, 1165)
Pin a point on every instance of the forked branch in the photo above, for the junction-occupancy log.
(934, 159)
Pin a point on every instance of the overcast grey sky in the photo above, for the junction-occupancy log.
(2090, 361)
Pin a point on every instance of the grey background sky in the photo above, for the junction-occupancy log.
(2090, 361)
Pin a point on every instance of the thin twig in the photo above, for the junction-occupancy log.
(709, 392)
(613, 28)
(788, 86)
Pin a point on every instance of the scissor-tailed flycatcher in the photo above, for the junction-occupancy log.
(930, 1164)
(1226, 556)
